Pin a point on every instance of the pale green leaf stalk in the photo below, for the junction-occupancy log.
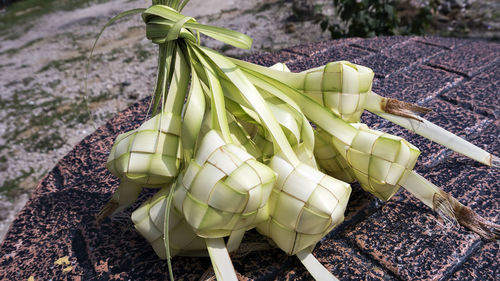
(449, 208)
(192, 118)
(317, 270)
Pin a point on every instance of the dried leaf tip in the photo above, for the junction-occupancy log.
(450, 208)
(404, 109)
(106, 211)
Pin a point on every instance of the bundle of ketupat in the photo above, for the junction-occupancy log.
(231, 147)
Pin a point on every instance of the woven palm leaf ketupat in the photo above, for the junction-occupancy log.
(329, 159)
(304, 206)
(341, 86)
(231, 147)
(150, 155)
(149, 220)
(146, 157)
(379, 161)
(223, 189)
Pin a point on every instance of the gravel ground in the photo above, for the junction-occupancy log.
(42, 111)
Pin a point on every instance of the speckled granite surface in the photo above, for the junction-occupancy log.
(398, 240)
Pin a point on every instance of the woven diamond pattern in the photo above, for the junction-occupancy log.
(149, 155)
(341, 86)
(379, 161)
(149, 220)
(223, 189)
(300, 217)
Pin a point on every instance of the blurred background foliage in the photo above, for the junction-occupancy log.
(367, 18)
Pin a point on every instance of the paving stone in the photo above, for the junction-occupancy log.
(268, 59)
(469, 58)
(43, 233)
(382, 65)
(482, 265)
(262, 265)
(444, 42)
(344, 261)
(407, 238)
(416, 84)
(381, 43)
(336, 53)
(413, 51)
(361, 205)
(480, 94)
(400, 56)
(310, 50)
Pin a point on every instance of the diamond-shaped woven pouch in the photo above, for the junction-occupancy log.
(149, 220)
(379, 161)
(149, 155)
(304, 206)
(341, 86)
(223, 189)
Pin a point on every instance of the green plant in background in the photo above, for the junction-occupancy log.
(367, 18)
(416, 20)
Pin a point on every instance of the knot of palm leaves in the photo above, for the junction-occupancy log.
(164, 24)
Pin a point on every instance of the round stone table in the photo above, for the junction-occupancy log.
(397, 240)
